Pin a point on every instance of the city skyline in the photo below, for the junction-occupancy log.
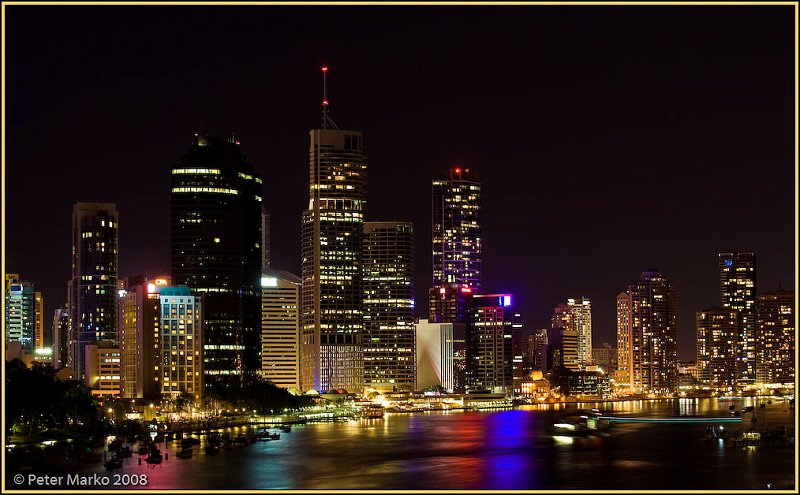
(540, 243)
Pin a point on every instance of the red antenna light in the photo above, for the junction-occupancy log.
(324, 68)
(324, 102)
(458, 170)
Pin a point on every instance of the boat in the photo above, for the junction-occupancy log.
(113, 463)
(287, 428)
(241, 440)
(373, 411)
(275, 436)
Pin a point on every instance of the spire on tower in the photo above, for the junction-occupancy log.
(326, 110)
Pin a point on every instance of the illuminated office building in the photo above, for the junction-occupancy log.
(20, 312)
(489, 355)
(280, 328)
(775, 342)
(180, 363)
(92, 297)
(216, 211)
(102, 365)
(331, 298)
(40, 338)
(563, 338)
(449, 303)
(646, 335)
(737, 278)
(717, 331)
(387, 278)
(265, 239)
(457, 230)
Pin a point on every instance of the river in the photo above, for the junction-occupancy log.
(499, 450)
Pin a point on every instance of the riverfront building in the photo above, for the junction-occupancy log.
(387, 274)
(717, 331)
(93, 288)
(489, 352)
(280, 328)
(434, 355)
(775, 342)
(646, 335)
(332, 324)
(20, 312)
(216, 206)
(737, 277)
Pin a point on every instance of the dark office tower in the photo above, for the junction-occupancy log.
(489, 353)
(457, 230)
(647, 336)
(387, 271)
(332, 316)
(93, 297)
(449, 303)
(216, 251)
(265, 239)
(60, 337)
(737, 280)
(717, 331)
(775, 341)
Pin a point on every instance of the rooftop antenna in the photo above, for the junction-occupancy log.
(326, 110)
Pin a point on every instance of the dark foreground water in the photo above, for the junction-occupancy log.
(511, 449)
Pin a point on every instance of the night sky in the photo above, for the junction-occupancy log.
(609, 140)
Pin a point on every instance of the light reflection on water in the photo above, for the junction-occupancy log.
(511, 449)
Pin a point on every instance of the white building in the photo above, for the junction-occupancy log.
(280, 328)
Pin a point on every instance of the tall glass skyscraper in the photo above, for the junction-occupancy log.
(737, 281)
(93, 288)
(388, 284)
(20, 315)
(216, 251)
(490, 351)
(331, 298)
(456, 212)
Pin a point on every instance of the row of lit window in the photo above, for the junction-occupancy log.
(215, 190)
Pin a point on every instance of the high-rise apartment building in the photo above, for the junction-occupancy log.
(775, 342)
(563, 338)
(20, 312)
(489, 353)
(39, 335)
(140, 337)
(60, 337)
(605, 357)
(280, 328)
(717, 334)
(387, 278)
(434, 355)
(92, 297)
(180, 363)
(737, 277)
(574, 323)
(457, 230)
(646, 335)
(216, 207)
(331, 298)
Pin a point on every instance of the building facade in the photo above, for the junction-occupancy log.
(216, 206)
(717, 334)
(20, 312)
(92, 298)
(489, 350)
(434, 355)
(60, 337)
(387, 278)
(180, 363)
(280, 328)
(775, 342)
(456, 211)
(737, 277)
(646, 314)
(564, 336)
(331, 298)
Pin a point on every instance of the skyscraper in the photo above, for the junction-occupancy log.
(717, 334)
(387, 268)
(216, 251)
(489, 344)
(646, 314)
(775, 343)
(575, 320)
(60, 337)
(280, 328)
(20, 312)
(737, 278)
(457, 230)
(563, 337)
(93, 287)
(331, 299)
(38, 318)
(265, 239)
